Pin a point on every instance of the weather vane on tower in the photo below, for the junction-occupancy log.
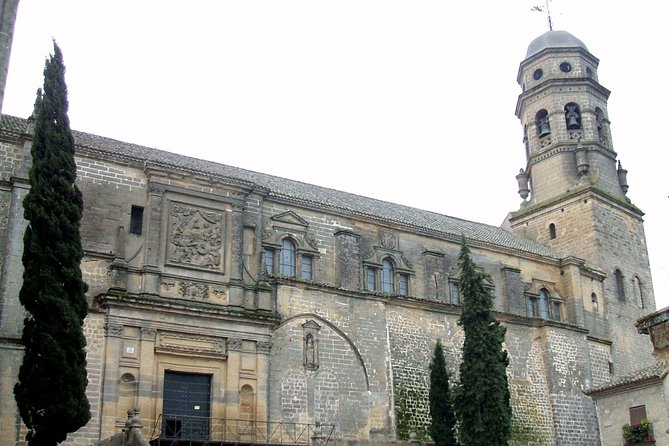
(547, 10)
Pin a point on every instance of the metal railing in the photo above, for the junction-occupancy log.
(170, 430)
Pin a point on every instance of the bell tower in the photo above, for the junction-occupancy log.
(574, 189)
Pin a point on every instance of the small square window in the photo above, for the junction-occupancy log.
(136, 219)
(306, 271)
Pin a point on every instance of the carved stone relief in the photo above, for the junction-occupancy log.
(388, 239)
(115, 330)
(194, 290)
(264, 347)
(235, 344)
(191, 344)
(148, 334)
(195, 237)
(311, 240)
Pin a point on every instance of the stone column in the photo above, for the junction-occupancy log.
(146, 377)
(113, 333)
(262, 392)
(571, 267)
(236, 239)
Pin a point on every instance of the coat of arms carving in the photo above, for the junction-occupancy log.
(195, 237)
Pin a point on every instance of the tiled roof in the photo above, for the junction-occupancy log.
(302, 193)
(654, 371)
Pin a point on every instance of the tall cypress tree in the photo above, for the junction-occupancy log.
(442, 429)
(51, 390)
(482, 401)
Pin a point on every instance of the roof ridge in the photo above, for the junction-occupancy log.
(305, 193)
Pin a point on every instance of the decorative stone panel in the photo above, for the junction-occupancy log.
(195, 237)
(190, 344)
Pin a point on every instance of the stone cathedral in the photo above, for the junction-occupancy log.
(223, 294)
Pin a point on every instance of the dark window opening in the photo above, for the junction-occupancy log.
(551, 229)
(638, 289)
(620, 284)
(565, 67)
(543, 126)
(136, 219)
(572, 115)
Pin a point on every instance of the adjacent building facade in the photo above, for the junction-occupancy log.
(218, 293)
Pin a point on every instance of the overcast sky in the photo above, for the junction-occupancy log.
(406, 101)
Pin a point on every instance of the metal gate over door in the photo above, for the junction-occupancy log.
(186, 405)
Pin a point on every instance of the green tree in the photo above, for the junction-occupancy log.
(442, 429)
(51, 390)
(482, 400)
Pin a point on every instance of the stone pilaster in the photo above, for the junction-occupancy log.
(347, 248)
(151, 268)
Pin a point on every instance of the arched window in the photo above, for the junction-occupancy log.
(595, 304)
(543, 303)
(551, 230)
(638, 291)
(387, 277)
(599, 118)
(549, 308)
(287, 263)
(572, 115)
(620, 285)
(543, 126)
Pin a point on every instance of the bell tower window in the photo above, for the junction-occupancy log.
(572, 115)
(543, 126)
